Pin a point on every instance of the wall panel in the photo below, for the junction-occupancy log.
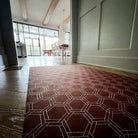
(116, 24)
(108, 34)
(89, 39)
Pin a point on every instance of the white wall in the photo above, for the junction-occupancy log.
(61, 37)
(108, 34)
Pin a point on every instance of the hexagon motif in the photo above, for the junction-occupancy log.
(95, 82)
(56, 112)
(96, 103)
(41, 104)
(35, 81)
(53, 86)
(126, 84)
(76, 93)
(86, 84)
(66, 85)
(77, 123)
(132, 110)
(120, 87)
(106, 84)
(76, 86)
(31, 98)
(31, 86)
(63, 90)
(98, 86)
(48, 94)
(97, 111)
(136, 85)
(110, 103)
(136, 100)
(134, 89)
(44, 84)
(88, 90)
(38, 89)
(123, 121)
(109, 78)
(133, 136)
(50, 132)
(105, 131)
(103, 93)
(113, 82)
(66, 80)
(31, 122)
(76, 81)
(61, 98)
(128, 93)
(77, 104)
(121, 98)
(84, 79)
(130, 81)
(91, 98)
(113, 90)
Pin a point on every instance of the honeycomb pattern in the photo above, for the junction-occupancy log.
(77, 101)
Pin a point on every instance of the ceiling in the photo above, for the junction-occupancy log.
(36, 12)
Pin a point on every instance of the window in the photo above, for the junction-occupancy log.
(51, 33)
(41, 31)
(33, 29)
(67, 38)
(15, 27)
(16, 37)
(26, 28)
(34, 36)
(20, 27)
(26, 35)
(50, 41)
(21, 37)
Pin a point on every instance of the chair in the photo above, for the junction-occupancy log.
(45, 52)
(48, 52)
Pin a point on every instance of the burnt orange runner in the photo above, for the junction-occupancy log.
(77, 101)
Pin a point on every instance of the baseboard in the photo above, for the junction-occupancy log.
(120, 69)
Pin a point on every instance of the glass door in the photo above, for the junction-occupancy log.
(33, 46)
(28, 42)
(36, 46)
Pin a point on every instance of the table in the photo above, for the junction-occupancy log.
(49, 52)
(63, 47)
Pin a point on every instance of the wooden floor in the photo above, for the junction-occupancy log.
(13, 91)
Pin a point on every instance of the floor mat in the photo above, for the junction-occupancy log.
(77, 101)
(13, 68)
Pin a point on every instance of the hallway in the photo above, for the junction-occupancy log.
(13, 91)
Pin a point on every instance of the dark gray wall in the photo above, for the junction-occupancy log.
(7, 44)
(108, 34)
(1, 45)
(3, 57)
(74, 29)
